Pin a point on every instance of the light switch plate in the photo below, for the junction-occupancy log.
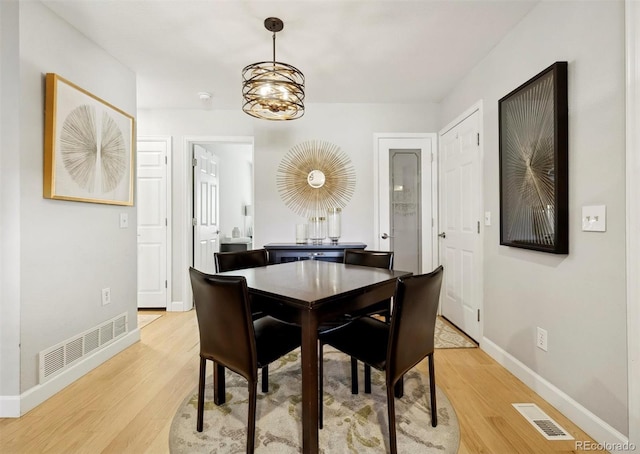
(124, 220)
(594, 218)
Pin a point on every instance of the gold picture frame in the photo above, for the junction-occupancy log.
(88, 146)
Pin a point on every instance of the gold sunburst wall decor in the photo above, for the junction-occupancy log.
(315, 176)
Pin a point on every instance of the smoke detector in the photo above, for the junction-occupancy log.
(204, 96)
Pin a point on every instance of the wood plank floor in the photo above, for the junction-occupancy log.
(126, 405)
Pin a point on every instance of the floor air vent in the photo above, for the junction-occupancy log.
(549, 429)
(56, 359)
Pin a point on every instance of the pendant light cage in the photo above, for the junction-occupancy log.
(273, 90)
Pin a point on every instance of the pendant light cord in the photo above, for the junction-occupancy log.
(274, 47)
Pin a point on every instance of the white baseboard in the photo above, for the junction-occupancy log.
(176, 306)
(598, 429)
(39, 393)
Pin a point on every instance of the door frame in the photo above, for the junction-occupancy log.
(187, 237)
(435, 259)
(632, 50)
(167, 200)
(476, 107)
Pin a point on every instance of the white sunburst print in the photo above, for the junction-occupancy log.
(94, 154)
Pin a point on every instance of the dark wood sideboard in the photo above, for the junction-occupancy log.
(291, 252)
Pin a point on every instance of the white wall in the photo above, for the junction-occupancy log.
(578, 298)
(9, 211)
(350, 126)
(69, 251)
(236, 184)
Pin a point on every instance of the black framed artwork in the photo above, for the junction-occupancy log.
(533, 155)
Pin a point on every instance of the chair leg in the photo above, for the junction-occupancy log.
(265, 379)
(399, 388)
(432, 389)
(219, 397)
(251, 423)
(354, 375)
(367, 379)
(393, 444)
(320, 382)
(203, 372)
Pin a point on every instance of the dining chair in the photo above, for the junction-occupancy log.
(230, 338)
(376, 259)
(236, 260)
(397, 347)
(230, 261)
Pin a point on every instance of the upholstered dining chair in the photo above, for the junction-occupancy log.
(376, 259)
(396, 347)
(230, 338)
(230, 261)
(236, 260)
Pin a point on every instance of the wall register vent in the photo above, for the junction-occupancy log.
(549, 429)
(60, 357)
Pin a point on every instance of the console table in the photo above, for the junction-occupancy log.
(292, 252)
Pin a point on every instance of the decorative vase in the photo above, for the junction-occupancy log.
(301, 234)
(334, 216)
(317, 229)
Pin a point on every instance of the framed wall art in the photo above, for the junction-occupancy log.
(88, 146)
(533, 144)
(315, 176)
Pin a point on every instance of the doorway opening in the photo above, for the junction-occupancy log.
(219, 197)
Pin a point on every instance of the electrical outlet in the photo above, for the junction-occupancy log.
(106, 296)
(541, 339)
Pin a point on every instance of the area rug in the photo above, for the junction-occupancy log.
(352, 423)
(145, 319)
(449, 337)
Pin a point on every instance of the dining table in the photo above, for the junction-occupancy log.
(310, 293)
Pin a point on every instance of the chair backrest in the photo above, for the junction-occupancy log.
(376, 259)
(227, 335)
(413, 323)
(230, 261)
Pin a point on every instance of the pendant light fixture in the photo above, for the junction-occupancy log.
(273, 90)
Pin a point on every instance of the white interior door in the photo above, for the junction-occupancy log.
(205, 208)
(460, 224)
(404, 202)
(153, 223)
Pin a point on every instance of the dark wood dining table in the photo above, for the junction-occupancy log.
(311, 292)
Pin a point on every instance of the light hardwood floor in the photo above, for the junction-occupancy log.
(126, 405)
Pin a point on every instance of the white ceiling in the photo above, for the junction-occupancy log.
(349, 50)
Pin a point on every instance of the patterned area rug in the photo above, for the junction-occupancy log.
(352, 423)
(449, 337)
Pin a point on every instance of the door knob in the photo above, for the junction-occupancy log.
(442, 235)
(384, 236)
